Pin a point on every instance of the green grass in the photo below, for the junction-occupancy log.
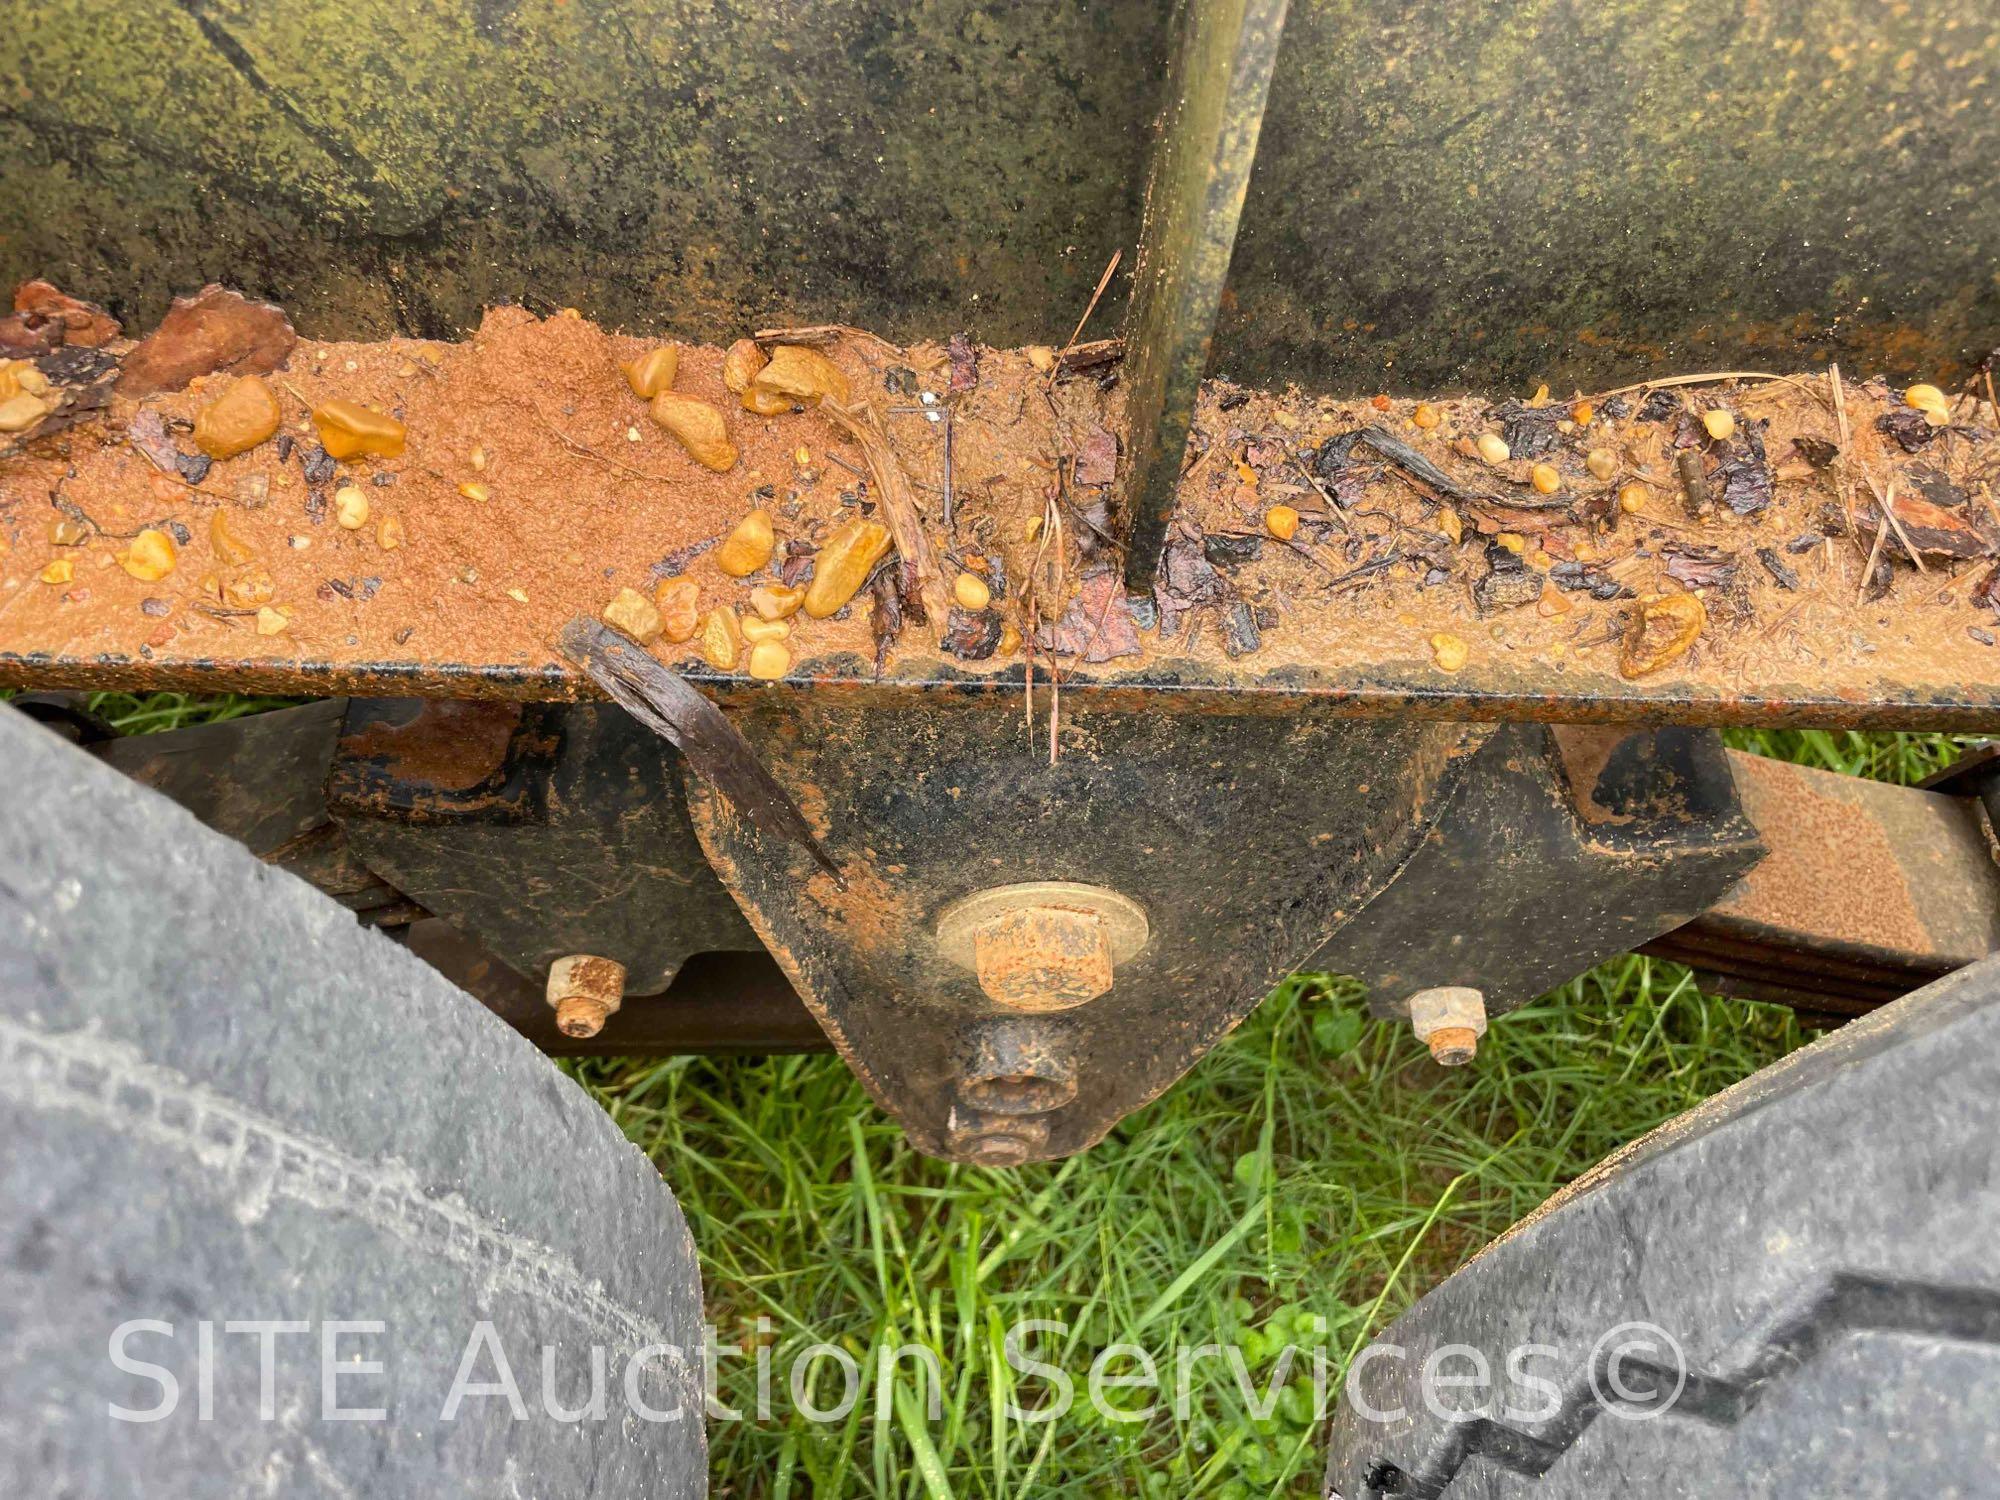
(1315, 1174)
(1299, 1188)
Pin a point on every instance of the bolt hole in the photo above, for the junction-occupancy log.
(1019, 1093)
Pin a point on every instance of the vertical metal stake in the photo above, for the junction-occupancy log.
(1201, 169)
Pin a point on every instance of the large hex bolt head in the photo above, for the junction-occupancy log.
(1043, 945)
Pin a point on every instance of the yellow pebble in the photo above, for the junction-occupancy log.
(769, 660)
(272, 621)
(347, 429)
(756, 628)
(1426, 416)
(59, 572)
(721, 639)
(519, 596)
(971, 592)
(679, 601)
(1451, 526)
(748, 547)
(633, 613)
(1721, 424)
(1931, 401)
(1282, 522)
(1632, 498)
(1512, 541)
(775, 601)
(478, 459)
(151, 556)
(1493, 449)
(845, 560)
(389, 533)
(1600, 463)
(20, 412)
(652, 372)
(474, 490)
(1448, 651)
(1583, 413)
(350, 507)
(1545, 479)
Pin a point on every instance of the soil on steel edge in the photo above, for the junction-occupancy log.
(1415, 573)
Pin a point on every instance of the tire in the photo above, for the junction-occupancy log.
(220, 1099)
(1813, 1253)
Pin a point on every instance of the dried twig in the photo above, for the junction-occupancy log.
(899, 505)
(1110, 268)
(1874, 553)
(815, 334)
(1332, 505)
(586, 451)
(949, 525)
(1705, 379)
(1888, 505)
(1842, 459)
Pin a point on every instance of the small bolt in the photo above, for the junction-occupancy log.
(579, 1017)
(585, 991)
(1453, 1046)
(1450, 1020)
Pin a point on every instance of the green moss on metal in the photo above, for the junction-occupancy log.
(1580, 192)
(1445, 194)
(681, 166)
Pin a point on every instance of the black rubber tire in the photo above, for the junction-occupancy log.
(1820, 1244)
(220, 1099)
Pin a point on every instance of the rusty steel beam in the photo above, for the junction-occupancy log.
(1201, 169)
(1869, 891)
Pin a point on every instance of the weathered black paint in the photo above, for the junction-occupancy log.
(1443, 195)
(577, 842)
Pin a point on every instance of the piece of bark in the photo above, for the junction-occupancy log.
(973, 635)
(1932, 530)
(1509, 583)
(673, 708)
(1097, 459)
(1097, 625)
(216, 329)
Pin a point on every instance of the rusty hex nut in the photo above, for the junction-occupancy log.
(585, 991)
(1016, 1065)
(1450, 1020)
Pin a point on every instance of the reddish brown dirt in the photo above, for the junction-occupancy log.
(472, 603)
